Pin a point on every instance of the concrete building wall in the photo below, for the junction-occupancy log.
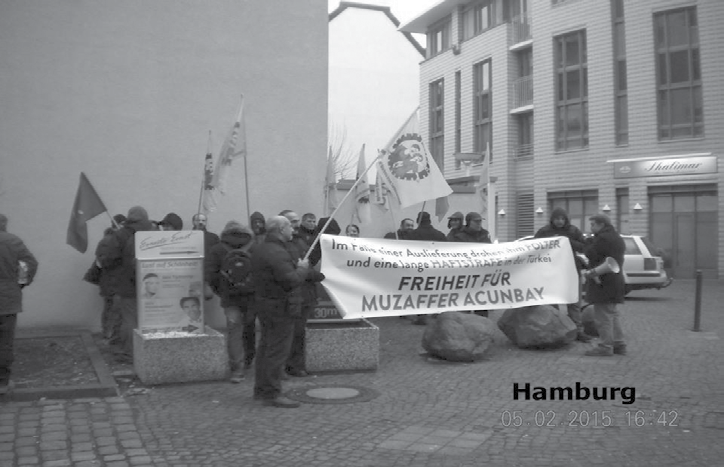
(550, 170)
(127, 92)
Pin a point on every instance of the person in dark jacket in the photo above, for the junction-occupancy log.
(238, 308)
(119, 257)
(454, 223)
(257, 224)
(308, 228)
(560, 226)
(425, 230)
(277, 276)
(210, 238)
(14, 276)
(110, 319)
(171, 221)
(300, 244)
(605, 291)
(332, 229)
(473, 231)
(403, 233)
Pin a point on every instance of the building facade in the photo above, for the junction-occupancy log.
(127, 92)
(611, 106)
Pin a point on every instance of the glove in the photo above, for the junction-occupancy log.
(315, 276)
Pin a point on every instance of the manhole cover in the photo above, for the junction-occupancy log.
(331, 394)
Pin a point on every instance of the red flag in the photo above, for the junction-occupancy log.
(87, 205)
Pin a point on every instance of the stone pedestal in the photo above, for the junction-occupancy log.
(175, 358)
(346, 346)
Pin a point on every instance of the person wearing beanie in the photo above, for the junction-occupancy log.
(473, 231)
(116, 257)
(425, 231)
(607, 290)
(560, 226)
(171, 221)
(238, 308)
(454, 223)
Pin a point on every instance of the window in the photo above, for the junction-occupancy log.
(525, 134)
(477, 18)
(623, 214)
(678, 75)
(619, 71)
(437, 123)
(438, 38)
(458, 116)
(482, 106)
(580, 205)
(571, 66)
(523, 84)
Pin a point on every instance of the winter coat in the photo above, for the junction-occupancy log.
(573, 233)
(332, 229)
(466, 234)
(427, 232)
(234, 238)
(401, 235)
(275, 270)
(13, 250)
(607, 242)
(126, 278)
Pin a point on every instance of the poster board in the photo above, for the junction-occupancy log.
(170, 281)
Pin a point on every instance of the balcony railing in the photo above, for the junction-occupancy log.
(521, 28)
(523, 92)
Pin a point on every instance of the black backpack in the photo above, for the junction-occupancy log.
(236, 269)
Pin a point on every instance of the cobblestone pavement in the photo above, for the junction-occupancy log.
(428, 413)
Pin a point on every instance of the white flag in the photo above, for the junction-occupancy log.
(409, 170)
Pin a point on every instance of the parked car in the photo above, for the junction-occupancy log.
(643, 267)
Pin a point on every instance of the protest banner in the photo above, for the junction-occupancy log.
(377, 277)
(169, 280)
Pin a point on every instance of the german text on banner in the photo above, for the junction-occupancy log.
(87, 205)
(377, 277)
(409, 170)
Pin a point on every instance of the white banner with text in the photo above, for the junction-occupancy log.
(369, 277)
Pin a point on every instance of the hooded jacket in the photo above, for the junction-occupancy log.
(234, 236)
(123, 247)
(573, 233)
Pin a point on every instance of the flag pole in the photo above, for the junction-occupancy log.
(331, 216)
(203, 176)
(246, 172)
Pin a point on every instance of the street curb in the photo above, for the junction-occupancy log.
(106, 386)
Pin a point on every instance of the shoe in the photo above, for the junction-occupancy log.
(298, 374)
(599, 352)
(283, 402)
(619, 349)
(237, 376)
(582, 337)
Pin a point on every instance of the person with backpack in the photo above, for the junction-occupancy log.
(228, 273)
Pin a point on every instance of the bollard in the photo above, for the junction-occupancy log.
(697, 302)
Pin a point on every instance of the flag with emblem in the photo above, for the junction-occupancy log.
(87, 205)
(409, 170)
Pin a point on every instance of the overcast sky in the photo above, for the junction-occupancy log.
(373, 74)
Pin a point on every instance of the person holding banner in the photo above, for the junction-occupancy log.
(454, 223)
(560, 226)
(278, 277)
(403, 233)
(607, 290)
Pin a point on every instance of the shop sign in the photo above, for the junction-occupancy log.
(684, 165)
